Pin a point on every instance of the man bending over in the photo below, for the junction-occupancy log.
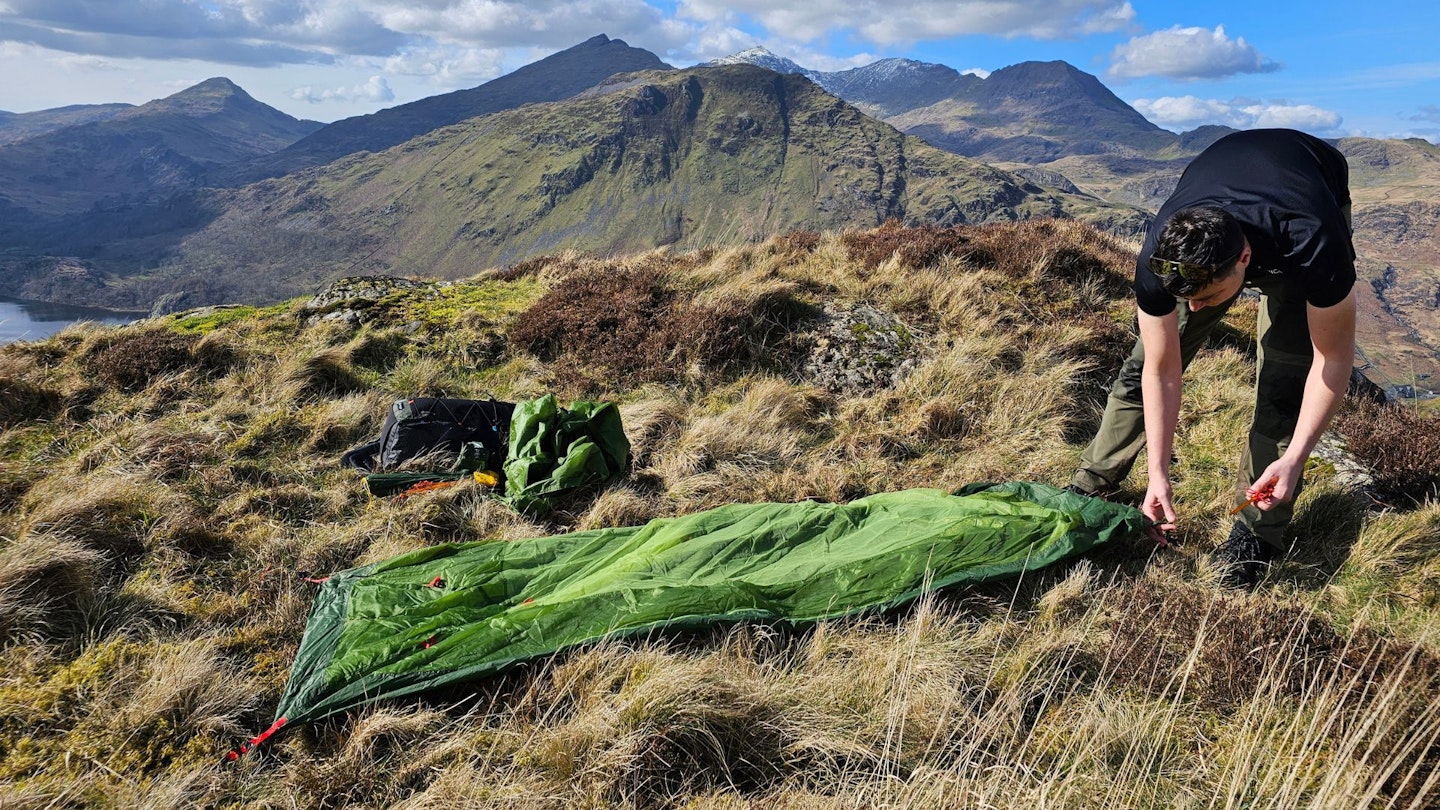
(1267, 209)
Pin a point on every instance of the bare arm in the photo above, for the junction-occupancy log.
(1332, 333)
(1160, 386)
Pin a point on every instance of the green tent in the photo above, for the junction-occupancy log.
(554, 449)
(550, 450)
(447, 613)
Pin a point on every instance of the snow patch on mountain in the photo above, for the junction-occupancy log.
(872, 78)
(760, 57)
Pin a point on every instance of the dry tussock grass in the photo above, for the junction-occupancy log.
(111, 512)
(170, 452)
(1409, 544)
(377, 348)
(621, 506)
(652, 423)
(424, 375)
(218, 352)
(657, 739)
(151, 597)
(46, 585)
(348, 421)
(719, 456)
(375, 756)
(22, 400)
(457, 514)
(323, 374)
(191, 688)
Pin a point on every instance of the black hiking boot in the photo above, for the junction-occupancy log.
(1102, 493)
(1241, 560)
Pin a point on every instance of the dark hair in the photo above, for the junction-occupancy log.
(1202, 234)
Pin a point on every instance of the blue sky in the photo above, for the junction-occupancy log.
(1331, 68)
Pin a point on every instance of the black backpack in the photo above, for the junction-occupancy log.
(430, 426)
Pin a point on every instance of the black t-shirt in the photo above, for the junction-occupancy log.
(1289, 191)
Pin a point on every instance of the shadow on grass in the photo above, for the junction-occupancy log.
(1322, 536)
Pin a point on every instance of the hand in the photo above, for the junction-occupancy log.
(1158, 507)
(1285, 473)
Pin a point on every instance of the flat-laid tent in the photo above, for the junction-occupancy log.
(448, 613)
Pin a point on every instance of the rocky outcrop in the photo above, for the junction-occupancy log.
(860, 350)
(351, 299)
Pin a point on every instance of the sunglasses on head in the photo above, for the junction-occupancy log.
(1184, 278)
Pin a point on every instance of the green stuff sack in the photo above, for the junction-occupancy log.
(384, 485)
(445, 614)
(554, 449)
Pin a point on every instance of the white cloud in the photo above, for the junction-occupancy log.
(1294, 116)
(517, 23)
(905, 21)
(376, 91)
(715, 41)
(448, 64)
(824, 63)
(981, 72)
(276, 32)
(80, 63)
(1187, 112)
(1188, 54)
(1184, 112)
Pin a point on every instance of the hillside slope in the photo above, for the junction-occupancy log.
(160, 147)
(1395, 186)
(685, 158)
(552, 78)
(19, 126)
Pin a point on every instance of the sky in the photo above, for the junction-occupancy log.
(1331, 68)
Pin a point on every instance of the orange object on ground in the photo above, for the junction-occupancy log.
(426, 486)
(1258, 495)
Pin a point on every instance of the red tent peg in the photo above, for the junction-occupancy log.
(256, 741)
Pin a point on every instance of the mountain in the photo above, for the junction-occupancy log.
(555, 77)
(882, 89)
(762, 57)
(1047, 121)
(1034, 112)
(687, 158)
(1030, 113)
(163, 146)
(1395, 185)
(891, 87)
(19, 126)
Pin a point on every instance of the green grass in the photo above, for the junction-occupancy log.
(209, 322)
(155, 539)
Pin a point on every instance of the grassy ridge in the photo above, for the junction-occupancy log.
(167, 486)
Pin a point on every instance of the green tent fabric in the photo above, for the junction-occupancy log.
(553, 449)
(550, 450)
(443, 614)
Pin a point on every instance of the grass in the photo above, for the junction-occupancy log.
(157, 531)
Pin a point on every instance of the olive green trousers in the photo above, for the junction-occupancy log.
(1283, 357)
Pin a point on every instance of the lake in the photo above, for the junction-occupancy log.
(37, 320)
